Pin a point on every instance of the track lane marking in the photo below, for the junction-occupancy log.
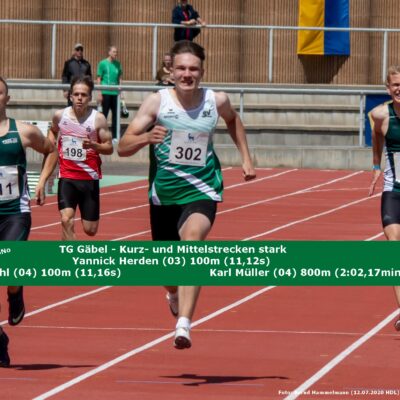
(60, 303)
(340, 357)
(147, 204)
(332, 210)
(123, 357)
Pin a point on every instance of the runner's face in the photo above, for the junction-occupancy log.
(393, 88)
(80, 97)
(187, 71)
(4, 97)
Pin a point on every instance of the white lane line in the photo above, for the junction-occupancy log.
(225, 331)
(147, 346)
(340, 357)
(332, 210)
(104, 193)
(131, 236)
(101, 194)
(60, 303)
(275, 198)
(257, 180)
(302, 191)
(374, 237)
(147, 204)
(102, 214)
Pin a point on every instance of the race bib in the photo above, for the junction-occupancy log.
(9, 188)
(396, 162)
(188, 148)
(72, 148)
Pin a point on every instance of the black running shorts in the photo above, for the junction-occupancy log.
(167, 220)
(15, 226)
(82, 193)
(390, 208)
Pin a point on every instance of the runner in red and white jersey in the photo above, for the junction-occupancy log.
(82, 135)
(76, 162)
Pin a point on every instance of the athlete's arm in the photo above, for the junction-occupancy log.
(31, 136)
(104, 146)
(138, 134)
(50, 160)
(237, 132)
(379, 118)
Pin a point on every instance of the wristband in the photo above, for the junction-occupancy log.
(376, 167)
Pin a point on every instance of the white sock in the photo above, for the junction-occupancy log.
(183, 322)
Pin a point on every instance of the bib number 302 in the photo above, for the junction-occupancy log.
(189, 148)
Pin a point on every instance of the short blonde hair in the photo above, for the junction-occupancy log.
(392, 70)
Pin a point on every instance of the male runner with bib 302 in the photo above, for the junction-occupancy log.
(82, 135)
(15, 210)
(185, 174)
(385, 121)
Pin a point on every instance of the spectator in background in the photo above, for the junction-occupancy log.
(164, 76)
(185, 14)
(76, 66)
(109, 72)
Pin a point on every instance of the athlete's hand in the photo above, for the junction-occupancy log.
(375, 177)
(249, 172)
(40, 195)
(156, 134)
(89, 144)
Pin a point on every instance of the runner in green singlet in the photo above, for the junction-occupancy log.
(15, 211)
(385, 121)
(185, 174)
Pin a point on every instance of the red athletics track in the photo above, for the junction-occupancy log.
(248, 343)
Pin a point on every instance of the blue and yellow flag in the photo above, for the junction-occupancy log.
(324, 13)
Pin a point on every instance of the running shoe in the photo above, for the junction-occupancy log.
(16, 307)
(4, 357)
(182, 338)
(173, 302)
(397, 325)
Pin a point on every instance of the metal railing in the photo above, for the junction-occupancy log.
(269, 28)
(362, 93)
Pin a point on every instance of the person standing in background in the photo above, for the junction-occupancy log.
(76, 66)
(109, 72)
(185, 14)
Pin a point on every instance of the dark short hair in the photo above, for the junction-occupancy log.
(4, 83)
(85, 80)
(186, 46)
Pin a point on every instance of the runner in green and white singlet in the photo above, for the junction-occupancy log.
(184, 167)
(15, 212)
(14, 192)
(385, 121)
(185, 175)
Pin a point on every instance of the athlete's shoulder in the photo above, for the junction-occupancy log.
(221, 98)
(152, 101)
(380, 112)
